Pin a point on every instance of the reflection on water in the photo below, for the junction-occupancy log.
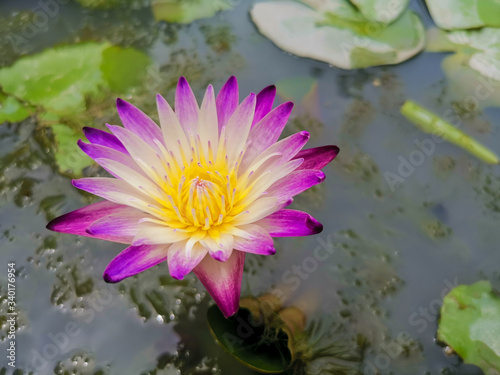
(391, 252)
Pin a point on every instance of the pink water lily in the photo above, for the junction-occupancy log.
(208, 186)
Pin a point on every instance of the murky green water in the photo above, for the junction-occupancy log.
(387, 255)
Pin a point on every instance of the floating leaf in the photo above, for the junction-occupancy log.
(57, 79)
(470, 325)
(250, 343)
(474, 69)
(12, 110)
(381, 10)
(431, 123)
(69, 158)
(334, 32)
(124, 68)
(464, 14)
(187, 11)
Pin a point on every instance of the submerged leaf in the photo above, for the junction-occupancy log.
(69, 158)
(335, 32)
(12, 110)
(464, 14)
(474, 69)
(381, 10)
(187, 11)
(470, 325)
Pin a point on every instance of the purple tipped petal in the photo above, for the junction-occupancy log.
(227, 101)
(291, 223)
(132, 260)
(223, 280)
(138, 122)
(180, 263)
(99, 137)
(318, 157)
(254, 239)
(186, 106)
(123, 224)
(77, 222)
(112, 189)
(296, 183)
(265, 100)
(102, 152)
(267, 131)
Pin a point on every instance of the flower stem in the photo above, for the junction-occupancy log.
(431, 123)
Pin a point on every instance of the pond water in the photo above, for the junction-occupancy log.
(394, 251)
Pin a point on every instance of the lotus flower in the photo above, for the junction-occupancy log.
(208, 186)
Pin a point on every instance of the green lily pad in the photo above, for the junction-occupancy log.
(474, 69)
(69, 158)
(57, 79)
(335, 32)
(381, 10)
(124, 68)
(12, 110)
(470, 325)
(187, 11)
(464, 14)
(251, 344)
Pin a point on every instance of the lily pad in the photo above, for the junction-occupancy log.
(69, 158)
(12, 110)
(470, 325)
(124, 68)
(57, 79)
(335, 32)
(187, 11)
(464, 14)
(474, 69)
(249, 343)
(381, 10)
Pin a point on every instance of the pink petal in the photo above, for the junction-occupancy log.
(227, 101)
(265, 100)
(254, 239)
(290, 223)
(186, 107)
(77, 222)
(181, 262)
(296, 183)
(132, 260)
(97, 151)
(138, 122)
(223, 280)
(123, 224)
(99, 137)
(238, 127)
(267, 131)
(318, 157)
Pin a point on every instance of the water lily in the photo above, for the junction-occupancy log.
(208, 186)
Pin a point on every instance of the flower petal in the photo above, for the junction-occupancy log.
(97, 151)
(318, 157)
(186, 107)
(181, 262)
(223, 280)
(291, 223)
(132, 260)
(238, 127)
(138, 122)
(219, 248)
(265, 100)
(123, 224)
(295, 183)
(208, 126)
(253, 239)
(99, 137)
(77, 222)
(267, 131)
(227, 101)
(159, 234)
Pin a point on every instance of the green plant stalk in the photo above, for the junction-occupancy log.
(431, 123)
